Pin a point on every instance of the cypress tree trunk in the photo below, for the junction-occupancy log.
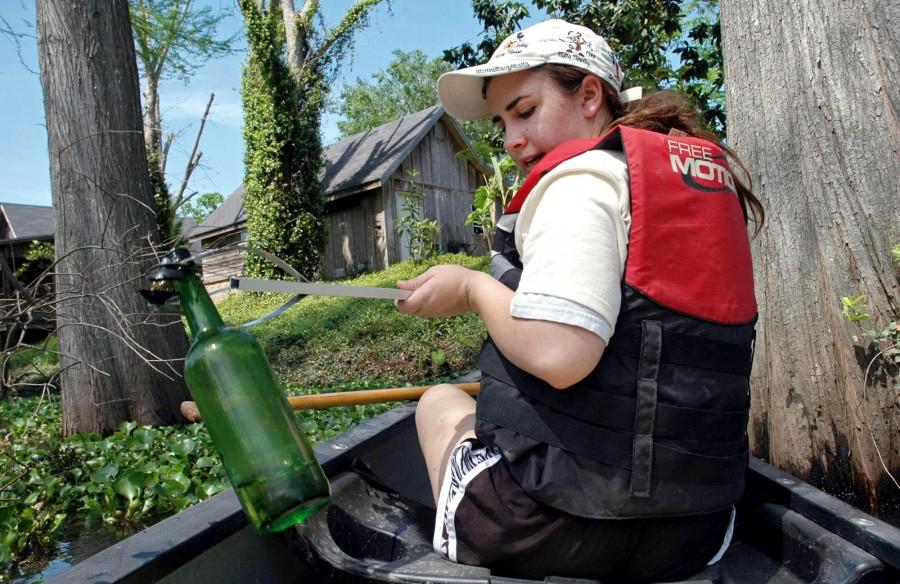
(813, 91)
(105, 222)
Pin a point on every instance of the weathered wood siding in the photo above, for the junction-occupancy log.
(448, 182)
(221, 265)
(356, 236)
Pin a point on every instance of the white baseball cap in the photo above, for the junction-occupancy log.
(551, 41)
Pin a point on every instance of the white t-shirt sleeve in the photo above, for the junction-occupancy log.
(572, 235)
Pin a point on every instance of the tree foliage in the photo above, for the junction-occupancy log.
(660, 43)
(199, 207)
(405, 86)
(172, 39)
(290, 64)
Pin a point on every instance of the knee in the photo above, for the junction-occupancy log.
(434, 396)
(434, 400)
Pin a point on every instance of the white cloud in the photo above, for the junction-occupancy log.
(187, 105)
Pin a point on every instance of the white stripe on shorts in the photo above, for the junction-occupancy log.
(464, 465)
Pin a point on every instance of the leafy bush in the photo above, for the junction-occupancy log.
(420, 231)
(496, 192)
(32, 364)
(38, 256)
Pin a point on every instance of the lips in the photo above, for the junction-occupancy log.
(529, 162)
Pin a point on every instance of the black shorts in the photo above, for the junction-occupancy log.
(484, 518)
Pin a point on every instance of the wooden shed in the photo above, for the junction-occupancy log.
(364, 178)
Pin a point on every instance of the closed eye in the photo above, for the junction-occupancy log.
(527, 113)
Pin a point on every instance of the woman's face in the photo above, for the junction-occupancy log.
(536, 113)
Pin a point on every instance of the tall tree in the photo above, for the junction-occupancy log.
(115, 364)
(173, 38)
(405, 86)
(290, 64)
(813, 90)
(660, 43)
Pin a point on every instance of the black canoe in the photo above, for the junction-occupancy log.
(378, 529)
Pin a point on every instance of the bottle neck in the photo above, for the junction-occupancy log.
(198, 307)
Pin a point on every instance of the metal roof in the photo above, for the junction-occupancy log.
(375, 154)
(361, 159)
(28, 220)
(231, 211)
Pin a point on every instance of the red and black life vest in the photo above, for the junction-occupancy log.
(659, 426)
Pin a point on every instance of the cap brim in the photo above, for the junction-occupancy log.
(460, 91)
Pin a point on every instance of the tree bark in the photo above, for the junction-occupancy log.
(152, 121)
(296, 40)
(115, 366)
(813, 89)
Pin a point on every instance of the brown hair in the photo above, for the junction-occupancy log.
(665, 112)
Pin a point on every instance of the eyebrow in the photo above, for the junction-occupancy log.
(509, 106)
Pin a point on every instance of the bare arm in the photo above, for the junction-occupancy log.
(560, 354)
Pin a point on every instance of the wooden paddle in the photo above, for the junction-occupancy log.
(344, 398)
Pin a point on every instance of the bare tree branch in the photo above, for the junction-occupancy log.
(35, 302)
(194, 158)
(16, 37)
(164, 156)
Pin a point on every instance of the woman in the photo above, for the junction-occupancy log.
(609, 437)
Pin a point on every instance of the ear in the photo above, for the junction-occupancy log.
(591, 94)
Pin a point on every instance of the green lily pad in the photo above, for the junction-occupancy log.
(57, 521)
(206, 462)
(127, 427)
(130, 485)
(184, 447)
(104, 474)
(210, 488)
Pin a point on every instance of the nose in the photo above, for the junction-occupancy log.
(514, 141)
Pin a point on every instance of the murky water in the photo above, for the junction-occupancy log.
(78, 543)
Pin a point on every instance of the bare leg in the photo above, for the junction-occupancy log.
(445, 417)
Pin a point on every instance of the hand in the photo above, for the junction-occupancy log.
(440, 291)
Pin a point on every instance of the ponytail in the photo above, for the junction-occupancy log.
(666, 112)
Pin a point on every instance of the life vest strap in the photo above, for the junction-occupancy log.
(645, 408)
(700, 429)
(600, 444)
(686, 349)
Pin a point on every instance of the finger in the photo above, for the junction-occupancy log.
(407, 307)
(415, 282)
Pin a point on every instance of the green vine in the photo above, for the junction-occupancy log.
(166, 222)
(283, 196)
(282, 118)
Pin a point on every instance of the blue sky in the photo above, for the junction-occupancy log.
(428, 25)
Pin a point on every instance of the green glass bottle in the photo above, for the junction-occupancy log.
(266, 456)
